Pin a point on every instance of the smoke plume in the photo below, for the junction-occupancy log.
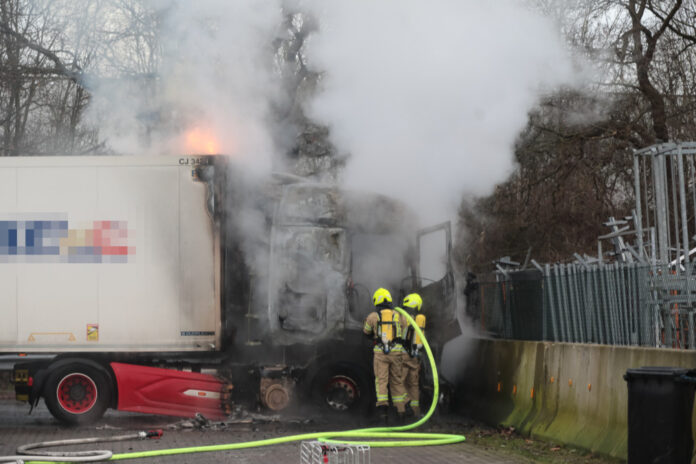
(428, 97)
(425, 98)
(211, 80)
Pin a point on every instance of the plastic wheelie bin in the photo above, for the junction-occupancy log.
(660, 403)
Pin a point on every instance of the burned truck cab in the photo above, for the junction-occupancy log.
(313, 258)
(330, 249)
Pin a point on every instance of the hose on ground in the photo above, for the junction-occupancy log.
(397, 436)
(28, 453)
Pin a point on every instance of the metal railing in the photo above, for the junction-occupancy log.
(614, 304)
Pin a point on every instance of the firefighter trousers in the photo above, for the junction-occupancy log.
(388, 376)
(411, 378)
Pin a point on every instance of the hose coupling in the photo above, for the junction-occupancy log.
(154, 434)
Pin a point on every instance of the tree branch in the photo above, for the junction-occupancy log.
(60, 68)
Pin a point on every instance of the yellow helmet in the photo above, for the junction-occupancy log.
(380, 296)
(413, 301)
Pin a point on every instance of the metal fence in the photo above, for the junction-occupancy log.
(638, 292)
(615, 304)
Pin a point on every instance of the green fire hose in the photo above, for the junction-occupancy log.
(385, 436)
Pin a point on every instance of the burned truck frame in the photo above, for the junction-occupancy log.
(307, 285)
(296, 264)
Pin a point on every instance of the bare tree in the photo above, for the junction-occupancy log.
(575, 154)
(310, 152)
(42, 87)
(51, 52)
(643, 55)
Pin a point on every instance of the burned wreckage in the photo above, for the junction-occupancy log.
(200, 288)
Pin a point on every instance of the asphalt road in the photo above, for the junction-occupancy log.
(17, 428)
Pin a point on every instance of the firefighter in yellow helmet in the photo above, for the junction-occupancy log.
(413, 346)
(383, 326)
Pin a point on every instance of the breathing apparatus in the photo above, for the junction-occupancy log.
(388, 333)
(413, 338)
(388, 330)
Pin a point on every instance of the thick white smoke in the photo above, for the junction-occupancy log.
(212, 83)
(428, 97)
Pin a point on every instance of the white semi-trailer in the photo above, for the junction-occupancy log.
(139, 272)
(106, 253)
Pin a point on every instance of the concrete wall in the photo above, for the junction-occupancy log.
(569, 393)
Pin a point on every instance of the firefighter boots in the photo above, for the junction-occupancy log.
(382, 415)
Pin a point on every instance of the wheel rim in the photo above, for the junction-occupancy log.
(77, 393)
(341, 392)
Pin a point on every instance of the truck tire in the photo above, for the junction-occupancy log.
(77, 392)
(343, 388)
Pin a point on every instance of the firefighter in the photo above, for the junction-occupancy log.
(382, 325)
(412, 349)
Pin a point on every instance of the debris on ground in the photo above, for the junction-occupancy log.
(107, 427)
(239, 416)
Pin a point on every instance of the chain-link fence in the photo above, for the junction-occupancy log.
(614, 304)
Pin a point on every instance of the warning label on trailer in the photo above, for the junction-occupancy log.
(92, 332)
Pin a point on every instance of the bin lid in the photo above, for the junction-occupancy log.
(657, 371)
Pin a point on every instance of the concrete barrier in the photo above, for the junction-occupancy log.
(569, 393)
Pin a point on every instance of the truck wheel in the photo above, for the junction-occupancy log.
(77, 393)
(342, 388)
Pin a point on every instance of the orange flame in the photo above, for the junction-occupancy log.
(200, 140)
